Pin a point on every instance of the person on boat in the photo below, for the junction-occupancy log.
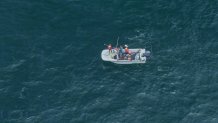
(109, 47)
(121, 51)
(126, 49)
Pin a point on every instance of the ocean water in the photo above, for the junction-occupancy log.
(51, 70)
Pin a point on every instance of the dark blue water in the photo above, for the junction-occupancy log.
(51, 70)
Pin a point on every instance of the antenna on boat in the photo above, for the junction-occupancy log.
(117, 41)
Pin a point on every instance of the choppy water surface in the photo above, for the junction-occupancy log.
(51, 71)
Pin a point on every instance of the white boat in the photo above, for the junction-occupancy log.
(138, 56)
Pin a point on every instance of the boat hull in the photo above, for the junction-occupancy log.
(114, 56)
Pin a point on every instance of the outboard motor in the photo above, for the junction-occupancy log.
(147, 54)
